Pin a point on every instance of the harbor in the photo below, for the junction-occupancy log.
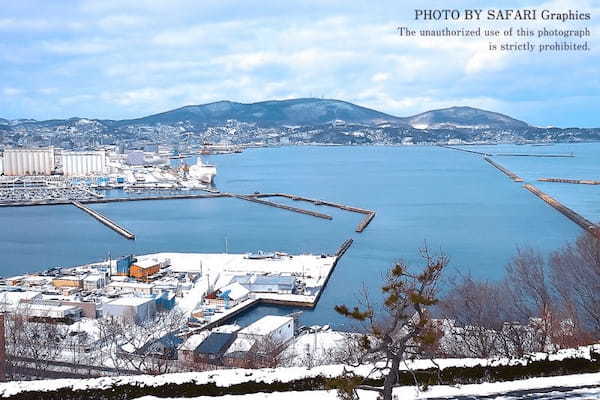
(407, 214)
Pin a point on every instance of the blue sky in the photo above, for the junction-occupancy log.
(118, 59)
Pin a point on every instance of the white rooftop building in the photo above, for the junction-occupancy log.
(136, 308)
(277, 328)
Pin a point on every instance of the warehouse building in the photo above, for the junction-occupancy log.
(84, 163)
(138, 309)
(267, 283)
(34, 161)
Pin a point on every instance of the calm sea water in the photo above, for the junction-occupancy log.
(451, 200)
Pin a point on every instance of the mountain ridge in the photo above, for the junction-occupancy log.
(308, 111)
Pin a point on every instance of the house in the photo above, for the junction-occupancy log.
(269, 333)
(165, 347)
(187, 351)
(277, 328)
(212, 349)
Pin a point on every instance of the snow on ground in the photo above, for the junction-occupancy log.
(584, 386)
(314, 268)
(225, 378)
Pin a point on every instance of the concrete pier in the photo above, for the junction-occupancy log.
(113, 200)
(575, 181)
(121, 231)
(507, 172)
(532, 155)
(365, 222)
(282, 206)
(566, 211)
(370, 214)
(466, 151)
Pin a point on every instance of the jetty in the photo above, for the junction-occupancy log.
(466, 151)
(570, 155)
(506, 171)
(52, 202)
(282, 206)
(369, 214)
(105, 220)
(574, 181)
(566, 211)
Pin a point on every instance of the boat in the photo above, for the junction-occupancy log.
(203, 172)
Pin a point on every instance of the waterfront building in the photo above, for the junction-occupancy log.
(83, 163)
(137, 308)
(267, 283)
(33, 161)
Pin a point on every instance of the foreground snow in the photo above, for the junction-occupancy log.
(226, 378)
(584, 386)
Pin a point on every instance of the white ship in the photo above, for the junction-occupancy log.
(203, 172)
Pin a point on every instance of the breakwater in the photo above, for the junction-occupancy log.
(566, 211)
(105, 220)
(574, 181)
(506, 171)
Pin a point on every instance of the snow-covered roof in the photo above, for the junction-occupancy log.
(12, 299)
(235, 291)
(130, 301)
(241, 345)
(131, 285)
(194, 341)
(266, 325)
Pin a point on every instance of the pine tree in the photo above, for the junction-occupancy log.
(400, 329)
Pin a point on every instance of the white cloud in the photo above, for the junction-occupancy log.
(77, 47)
(380, 77)
(9, 91)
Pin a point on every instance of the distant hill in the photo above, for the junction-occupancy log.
(295, 112)
(464, 118)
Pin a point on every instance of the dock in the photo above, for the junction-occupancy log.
(369, 214)
(566, 211)
(103, 219)
(282, 206)
(575, 181)
(506, 171)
